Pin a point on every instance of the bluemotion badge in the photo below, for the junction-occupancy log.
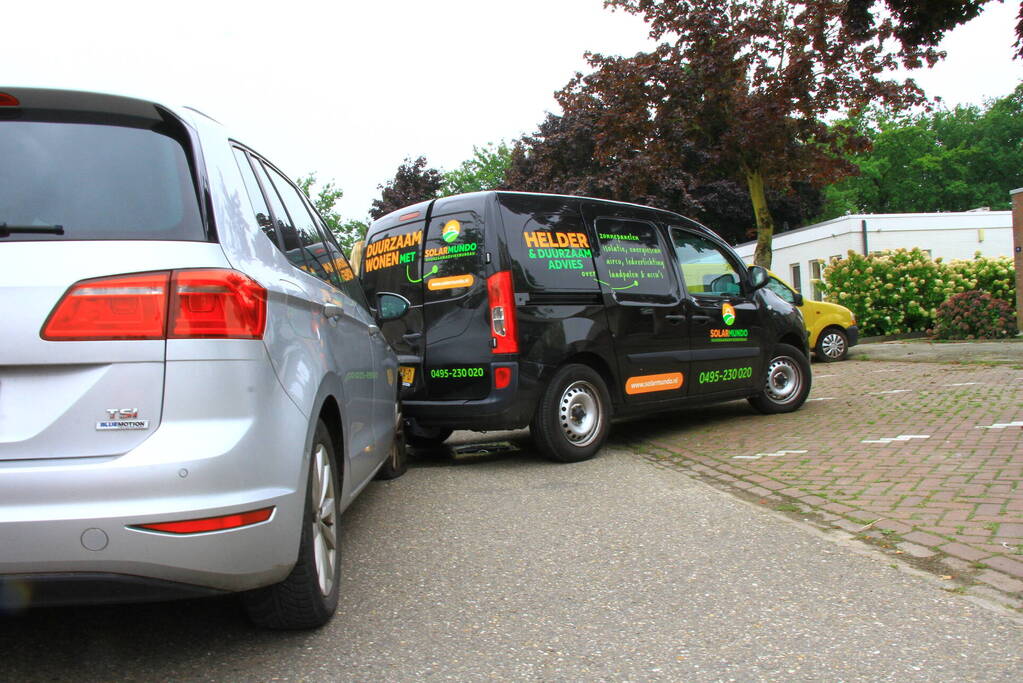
(451, 230)
(728, 314)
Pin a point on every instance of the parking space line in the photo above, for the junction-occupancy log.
(900, 437)
(776, 454)
(1001, 425)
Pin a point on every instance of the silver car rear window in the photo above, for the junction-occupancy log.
(99, 182)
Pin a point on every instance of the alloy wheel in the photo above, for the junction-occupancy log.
(322, 496)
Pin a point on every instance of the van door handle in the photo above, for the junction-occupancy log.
(412, 336)
(701, 319)
(674, 317)
(333, 311)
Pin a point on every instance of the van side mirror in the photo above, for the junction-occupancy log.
(757, 277)
(797, 299)
(391, 306)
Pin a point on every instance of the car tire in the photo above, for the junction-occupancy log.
(832, 345)
(573, 417)
(786, 382)
(425, 437)
(397, 460)
(308, 597)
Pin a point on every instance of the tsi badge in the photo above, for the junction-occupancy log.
(120, 419)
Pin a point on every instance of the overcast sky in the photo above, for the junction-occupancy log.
(350, 89)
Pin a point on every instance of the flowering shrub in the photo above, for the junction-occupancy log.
(996, 276)
(899, 291)
(974, 315)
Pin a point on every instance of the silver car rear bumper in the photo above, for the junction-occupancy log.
(230, 440)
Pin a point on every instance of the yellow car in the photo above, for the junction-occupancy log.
(832, 328)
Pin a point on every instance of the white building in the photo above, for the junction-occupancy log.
(801, 254)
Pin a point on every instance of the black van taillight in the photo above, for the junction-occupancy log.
(502, 313)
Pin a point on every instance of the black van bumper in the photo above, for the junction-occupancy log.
(509, 408)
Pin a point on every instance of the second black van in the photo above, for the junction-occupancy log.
(560, 312)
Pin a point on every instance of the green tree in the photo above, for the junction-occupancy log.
(945, 160)
(485, 170)
(346, 232)
(747, 83)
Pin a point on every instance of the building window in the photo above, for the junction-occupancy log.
(797, 281)
(816, 275)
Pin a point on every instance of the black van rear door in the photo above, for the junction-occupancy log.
(644, 308)
(455, 309)
(392, 263)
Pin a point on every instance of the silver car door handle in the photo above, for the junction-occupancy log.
(333, 311)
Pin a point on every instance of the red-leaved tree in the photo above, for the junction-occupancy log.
(747, 85)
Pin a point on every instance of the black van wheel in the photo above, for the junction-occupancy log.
(425, 437)
(308, 596)
(397, 459)
(832, 345)
(786, 383)
(574, 415)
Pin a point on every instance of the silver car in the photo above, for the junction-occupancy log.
(192, 384)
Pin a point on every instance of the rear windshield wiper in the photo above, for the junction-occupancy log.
(8, 230)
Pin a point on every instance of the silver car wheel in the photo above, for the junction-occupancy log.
(322, 496)
(579, 413)
(784, 380)
(833, 345)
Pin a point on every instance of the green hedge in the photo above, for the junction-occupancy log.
(899, 291)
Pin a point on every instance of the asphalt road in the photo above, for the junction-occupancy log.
(507, 567)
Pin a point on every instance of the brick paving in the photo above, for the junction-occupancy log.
(923, 459)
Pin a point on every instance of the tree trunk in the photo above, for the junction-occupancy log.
(765, 224)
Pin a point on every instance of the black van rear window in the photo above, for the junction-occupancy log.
(391, 262)
(553, 253)
(453, 255)
(99, 182)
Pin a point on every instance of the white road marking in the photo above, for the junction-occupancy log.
(776, 454)
(1001, 425)
(891, 391)
(822, 398)
(874, 372)
(961, 384)
(900, 437)
(822, 376)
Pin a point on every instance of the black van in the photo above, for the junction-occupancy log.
(560, 312)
